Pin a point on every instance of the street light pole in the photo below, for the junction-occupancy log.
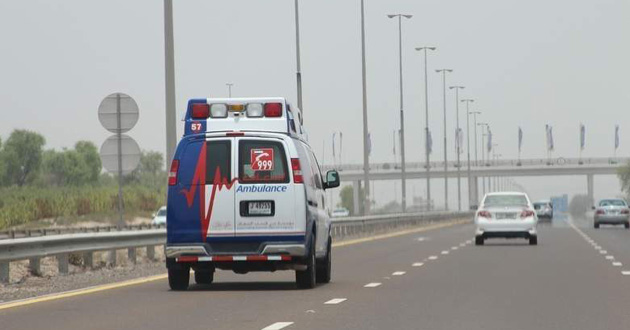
(468, 101)
(457, 143)
(476, 155)
(402, 115)
(169, 63)
(483, 157)
(297, 54)
(426, 124)
(229, 85)
(366, 151)
(443, 72)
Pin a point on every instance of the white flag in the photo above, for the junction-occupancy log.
(616, 136)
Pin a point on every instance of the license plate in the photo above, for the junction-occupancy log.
(259, 208)
(505, 216)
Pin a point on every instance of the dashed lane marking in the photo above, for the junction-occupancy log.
(372, 285)
(433, 257)
(603, 251)
(399, 273)
(417, 264)
(454, 248)
(617, 264)
(444, 252)
(610, 258)
(278, 326)
(625, 272)
(335, 301)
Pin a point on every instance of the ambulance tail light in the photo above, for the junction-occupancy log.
(255, 110)
(200, 111)
(273, 109)
(218, 110)
(172, 174)
(297, 170)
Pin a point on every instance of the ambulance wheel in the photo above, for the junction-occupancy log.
(178, 279)
(204, 276)
(305, 279)
(324, 266)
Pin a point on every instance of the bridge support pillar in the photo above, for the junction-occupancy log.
(356, 190)
(474, 190)
(590, 189)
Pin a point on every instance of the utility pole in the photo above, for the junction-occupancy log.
(366, 151)
(458, 147)
(426, 124)
(443, 72)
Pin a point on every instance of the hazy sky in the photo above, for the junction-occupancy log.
(526, 63)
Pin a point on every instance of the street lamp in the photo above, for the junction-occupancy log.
(426, 124)
(402, 116)
(298, 73)
(483, 135)
(229, 85)
(443, 72)
(475, 113)
(457, 143)
(468, 101)
(366, 151)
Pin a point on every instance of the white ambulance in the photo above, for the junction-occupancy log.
(246, 194)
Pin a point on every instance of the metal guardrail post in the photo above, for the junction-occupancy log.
(151, 252)
(131, 255)
(111, 258)
(88, 260)
(34, 266)
(5, 270)
(62, 261)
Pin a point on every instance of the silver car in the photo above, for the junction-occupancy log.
(506, 215)
(544, 209)
(612, 212)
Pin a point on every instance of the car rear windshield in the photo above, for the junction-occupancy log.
(262, 162)
(161, 213)
(218, 158)
(505, 200)
(612, 202)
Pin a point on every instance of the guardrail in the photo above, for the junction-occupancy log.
(61, 246)
(38, 232)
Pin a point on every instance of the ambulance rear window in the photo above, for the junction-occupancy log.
(218, 155)
(262, 162)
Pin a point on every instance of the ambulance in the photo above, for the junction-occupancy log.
(245, 193)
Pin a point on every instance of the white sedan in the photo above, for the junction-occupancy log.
(159, 218)
(506, 215)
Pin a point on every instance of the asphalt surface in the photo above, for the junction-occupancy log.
(571, 280)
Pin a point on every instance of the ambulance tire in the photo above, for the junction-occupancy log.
(178, 279)
(324, 266)
(204, 276)
(305, 279)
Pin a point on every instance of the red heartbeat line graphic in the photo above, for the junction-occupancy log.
(200, 178)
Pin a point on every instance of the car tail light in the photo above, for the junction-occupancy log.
(218, 110)
(254, 110)
(200, 111)
(297, 170)
(484, 214)
(625, 211)
(600, 212)
(273, 109)
(527, 213)
(172, 174)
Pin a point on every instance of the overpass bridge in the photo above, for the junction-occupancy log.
(588, 167)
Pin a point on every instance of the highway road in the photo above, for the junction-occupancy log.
(434, 279)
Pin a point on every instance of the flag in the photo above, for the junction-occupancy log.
(489, 140)
(459, 140)
(333, 145)
(429, 145)
(616, 137)
(394, 144)
(582, 136)
(549, 131)
(369, 144)
(341, 144)
(520, 138)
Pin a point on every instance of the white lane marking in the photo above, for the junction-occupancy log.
(417, 264)
(433, 258)
(387, 278)
(462, 245)
(603, 251)
(335, 301)
(625, 272)
(454, 248)
(372, 285)
(420, 239)
(617, 264)
(399, 273)
(610, 258)
(278, 326)
(445, 252)
(597, 247)
(468, 241)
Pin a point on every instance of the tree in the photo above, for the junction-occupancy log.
(624, 177)
(151, 162)
(77, 167)
(2, 166)
(347, 198)
(88, 152)
(22, 154)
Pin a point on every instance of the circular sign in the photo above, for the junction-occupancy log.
(130, 153)
(112, 106)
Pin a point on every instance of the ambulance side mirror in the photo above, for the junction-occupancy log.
(332, 179)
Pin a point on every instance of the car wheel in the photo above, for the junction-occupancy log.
(533, 240)
(178, 279)
(204, 276)
(305, 279)
(596, 225)
(324, 266)
(479, 240)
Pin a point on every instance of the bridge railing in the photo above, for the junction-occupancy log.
(63, 245)
(557, 161)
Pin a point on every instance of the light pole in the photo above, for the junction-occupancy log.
(366, 151)
(475, 113)
(483, 136)
(426, 123)
(457, 143)
(443, 72)
(169, 64)
(229, 85)
(298, 73)
(468, 101)
(402, 116)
